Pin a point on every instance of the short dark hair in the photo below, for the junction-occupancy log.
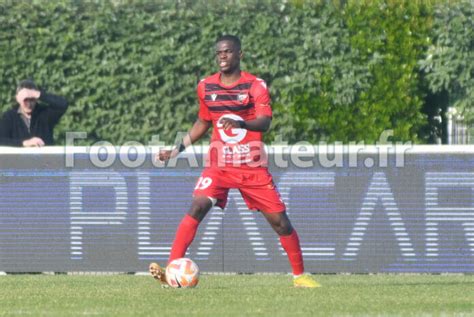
(27, 83)
(231, 38)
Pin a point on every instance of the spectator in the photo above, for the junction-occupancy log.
(30, 124)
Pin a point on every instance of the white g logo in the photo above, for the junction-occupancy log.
(231, 136)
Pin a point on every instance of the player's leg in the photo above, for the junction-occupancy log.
(185, 234)
(260, 193)
(188, 226)
(207, 193)
(210, 190)
(291, 244)
(288, 238)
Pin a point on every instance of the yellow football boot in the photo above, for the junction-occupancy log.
(306, 281)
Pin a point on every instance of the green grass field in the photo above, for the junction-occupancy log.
(237, 295)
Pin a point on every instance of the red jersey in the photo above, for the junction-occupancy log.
(245, 99)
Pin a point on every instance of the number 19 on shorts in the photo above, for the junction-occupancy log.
(203, 183)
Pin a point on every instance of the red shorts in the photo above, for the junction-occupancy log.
(255, 186)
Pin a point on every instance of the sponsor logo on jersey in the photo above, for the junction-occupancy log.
(213, 97)
(231, 136)
(238, 149)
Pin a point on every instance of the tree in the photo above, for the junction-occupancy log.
(449, 61)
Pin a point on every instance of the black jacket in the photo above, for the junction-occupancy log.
(13, 130)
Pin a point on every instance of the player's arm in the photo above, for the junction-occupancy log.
(199, 128)
(260, 124)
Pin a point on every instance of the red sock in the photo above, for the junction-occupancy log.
(291, 244)
(184, 236)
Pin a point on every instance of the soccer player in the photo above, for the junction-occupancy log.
(237, 105)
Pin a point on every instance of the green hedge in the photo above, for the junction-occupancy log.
(130, 70)
(449, 61)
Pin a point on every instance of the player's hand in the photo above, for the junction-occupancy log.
(33, 142)
(25, 93)
(228, 123)
(165, 155)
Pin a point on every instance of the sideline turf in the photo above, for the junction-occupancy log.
(238, 295)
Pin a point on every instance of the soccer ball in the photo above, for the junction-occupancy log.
(182, 273)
